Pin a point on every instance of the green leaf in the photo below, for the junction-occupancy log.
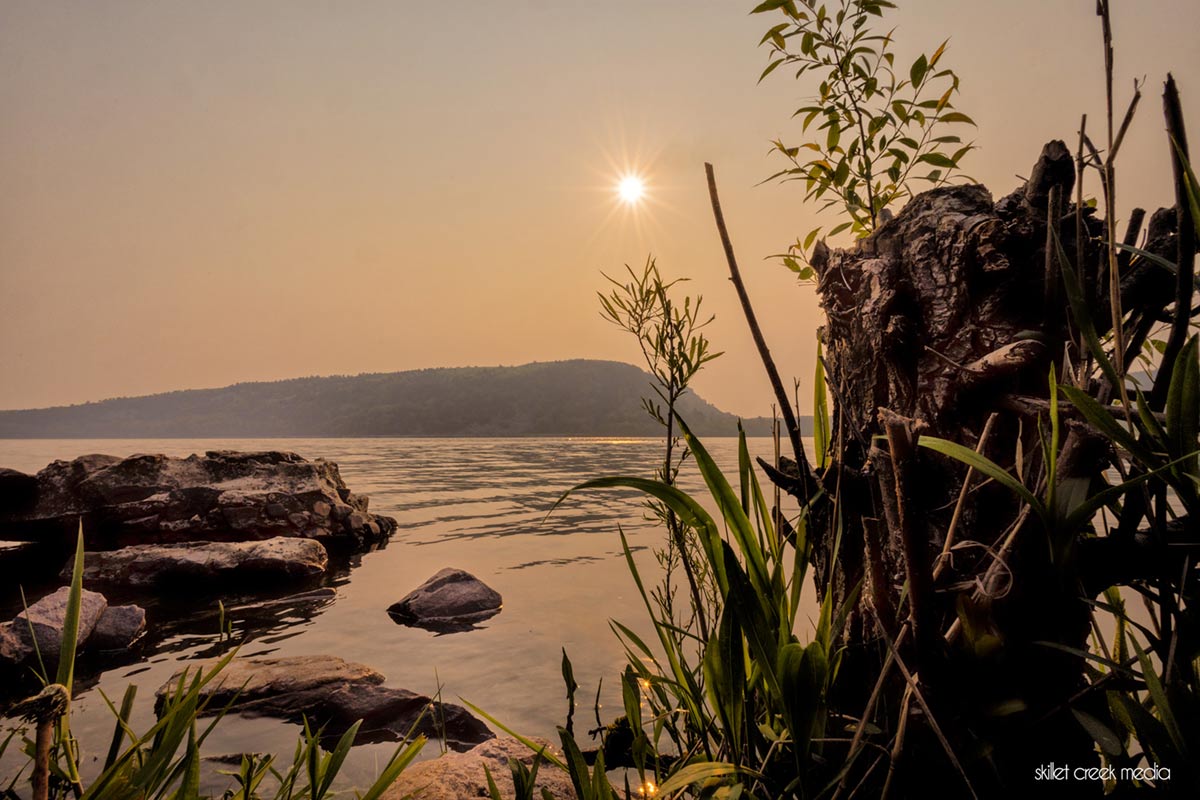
(691, 513)
(1101, 734)
(70, 637)
(404, 755)
(736, 519)
(1183, 402)
(768, 5)
(696, 773)
(916, 73)
(985, 466)
(955, 116)
(821, 426)
(770, 68)
(1159, 695)
(937, 160)
(1191, 187)
(1106, 423)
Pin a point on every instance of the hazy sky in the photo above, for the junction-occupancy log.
(195, 194)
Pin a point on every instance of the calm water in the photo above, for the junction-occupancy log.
(477, 504)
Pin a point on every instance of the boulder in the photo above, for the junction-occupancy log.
(18, 491)
(461, 776)
(118, 628)
(220, 496)
(390, 714)
(47, 617)
(141, 566)
(279, 686)
(332, 693)
(12, 649)
(451, 599)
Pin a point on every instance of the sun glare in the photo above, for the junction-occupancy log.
(631, 189)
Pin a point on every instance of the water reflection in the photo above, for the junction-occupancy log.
(479, 505)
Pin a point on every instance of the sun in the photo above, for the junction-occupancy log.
(631, 189)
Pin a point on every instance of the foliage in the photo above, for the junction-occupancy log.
(670, 336)
(875, 131)
(746, 709)
(1141, 701)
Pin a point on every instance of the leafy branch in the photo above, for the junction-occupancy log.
(874, 133)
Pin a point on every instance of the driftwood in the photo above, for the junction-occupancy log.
(947, 320)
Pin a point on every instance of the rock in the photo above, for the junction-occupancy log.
(118, 628)
(389, 713)
(140, 566)
(331, 692)
(155, 499)
(460, 776)
(12, 649)
(47, 617)
(280, 686)
(18, 491)
(451, 599)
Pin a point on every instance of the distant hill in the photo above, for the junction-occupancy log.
(566, 398)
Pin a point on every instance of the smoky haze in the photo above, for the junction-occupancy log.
(201, 194)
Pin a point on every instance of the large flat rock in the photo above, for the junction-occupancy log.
(333, 693)
(461, 776)
(219, 496)
(165, 565)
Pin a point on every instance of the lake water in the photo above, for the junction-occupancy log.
(477, 504)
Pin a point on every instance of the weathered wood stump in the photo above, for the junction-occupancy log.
(947, 322)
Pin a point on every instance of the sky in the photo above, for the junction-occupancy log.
(199, 194)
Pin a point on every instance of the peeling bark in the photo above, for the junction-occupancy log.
(948, 313)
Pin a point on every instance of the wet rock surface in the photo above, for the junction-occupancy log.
(179, 565)
(461, 776)
(101, 627)
(219, 496)
(334, 693)
(452, 599)
(44, 621)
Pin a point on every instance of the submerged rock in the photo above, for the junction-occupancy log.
(220, 496)
(461, 776)
(329, 691)
(389, 713)
(140, 566)
(450, 599)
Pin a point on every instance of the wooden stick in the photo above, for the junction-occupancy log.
(785, 407)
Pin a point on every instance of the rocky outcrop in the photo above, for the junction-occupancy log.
(461, 776)
(220, 496)
(331, 692)
(101, 627)
(450, 599)
(179, 565)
